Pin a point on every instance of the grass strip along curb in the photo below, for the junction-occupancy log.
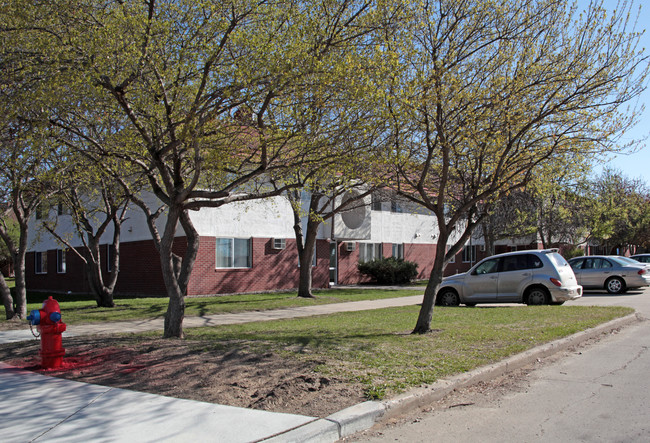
(363, 416)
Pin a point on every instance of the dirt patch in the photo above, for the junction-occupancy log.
(196, 370)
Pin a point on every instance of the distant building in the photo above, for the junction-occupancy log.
(244, 247)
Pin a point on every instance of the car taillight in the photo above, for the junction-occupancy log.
(556, 282)
(641, 271)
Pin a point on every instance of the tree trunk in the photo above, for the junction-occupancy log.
(425, 316)
(306, 246)
(423, 324)
(176, 270)
(103, 294)
(20, 294)
(305, 283)
(7, 300)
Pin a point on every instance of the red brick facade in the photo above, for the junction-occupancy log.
(271, 269)
(140, 272)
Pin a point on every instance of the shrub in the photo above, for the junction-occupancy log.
(389, 271)
(573, 251)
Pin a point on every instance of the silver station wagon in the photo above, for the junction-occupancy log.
(534, 277)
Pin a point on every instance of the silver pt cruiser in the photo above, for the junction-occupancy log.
(534, 277)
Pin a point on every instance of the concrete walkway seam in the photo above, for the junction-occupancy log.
(363, 416)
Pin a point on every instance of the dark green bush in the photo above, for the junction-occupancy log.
(389, 271)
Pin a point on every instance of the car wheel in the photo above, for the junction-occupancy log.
(615, 285)
(448, 298)
(537, 296)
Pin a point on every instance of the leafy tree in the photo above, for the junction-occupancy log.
(25, 178)
(493, 91)
(10, 226)
(552, 208)
(197, 84)
(619, 211)
(93, 203)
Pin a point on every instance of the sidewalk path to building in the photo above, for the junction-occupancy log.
(37, 408)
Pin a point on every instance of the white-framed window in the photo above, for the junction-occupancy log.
(469, 254)
(398, 250)
(369, 251)
(60, 261)
(234, 253)
(40, 264)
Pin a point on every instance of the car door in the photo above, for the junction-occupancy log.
(515, 273)
(576, 265)
(481, 283)
(595, 271)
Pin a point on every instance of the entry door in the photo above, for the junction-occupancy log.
(333, 263)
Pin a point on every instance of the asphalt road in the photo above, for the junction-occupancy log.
(599, 392)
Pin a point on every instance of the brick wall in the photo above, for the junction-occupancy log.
(271, 269)
(348, 274)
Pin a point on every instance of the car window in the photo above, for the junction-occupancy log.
(536, 262)
(601, 263)
(577, 264)
(515, 263)
(629, 261)
(557, 260)
(487, 267)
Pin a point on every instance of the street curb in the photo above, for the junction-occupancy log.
(365, 415)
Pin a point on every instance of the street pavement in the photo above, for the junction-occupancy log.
(37, 408)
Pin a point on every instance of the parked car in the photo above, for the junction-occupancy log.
(614, 273)
(643, 258)
(534, 277)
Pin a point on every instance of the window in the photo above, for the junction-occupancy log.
(453, 257)
(487, 267)
(469, 254)
(61, 209)
(110, 255)
(376, 203)
(60, 261)
(396, 206)
(233, 253)
(398, 250)
(369, 251)
(40, 265)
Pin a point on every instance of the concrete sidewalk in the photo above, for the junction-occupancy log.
(37, 408)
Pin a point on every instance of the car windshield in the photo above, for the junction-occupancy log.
(557, 259)
(625, 261)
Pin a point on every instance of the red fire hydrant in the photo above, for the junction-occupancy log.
(48, 319)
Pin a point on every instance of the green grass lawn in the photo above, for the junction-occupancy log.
(78, 309)
(376, 347)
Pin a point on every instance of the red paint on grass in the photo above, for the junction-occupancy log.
(75, 363)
